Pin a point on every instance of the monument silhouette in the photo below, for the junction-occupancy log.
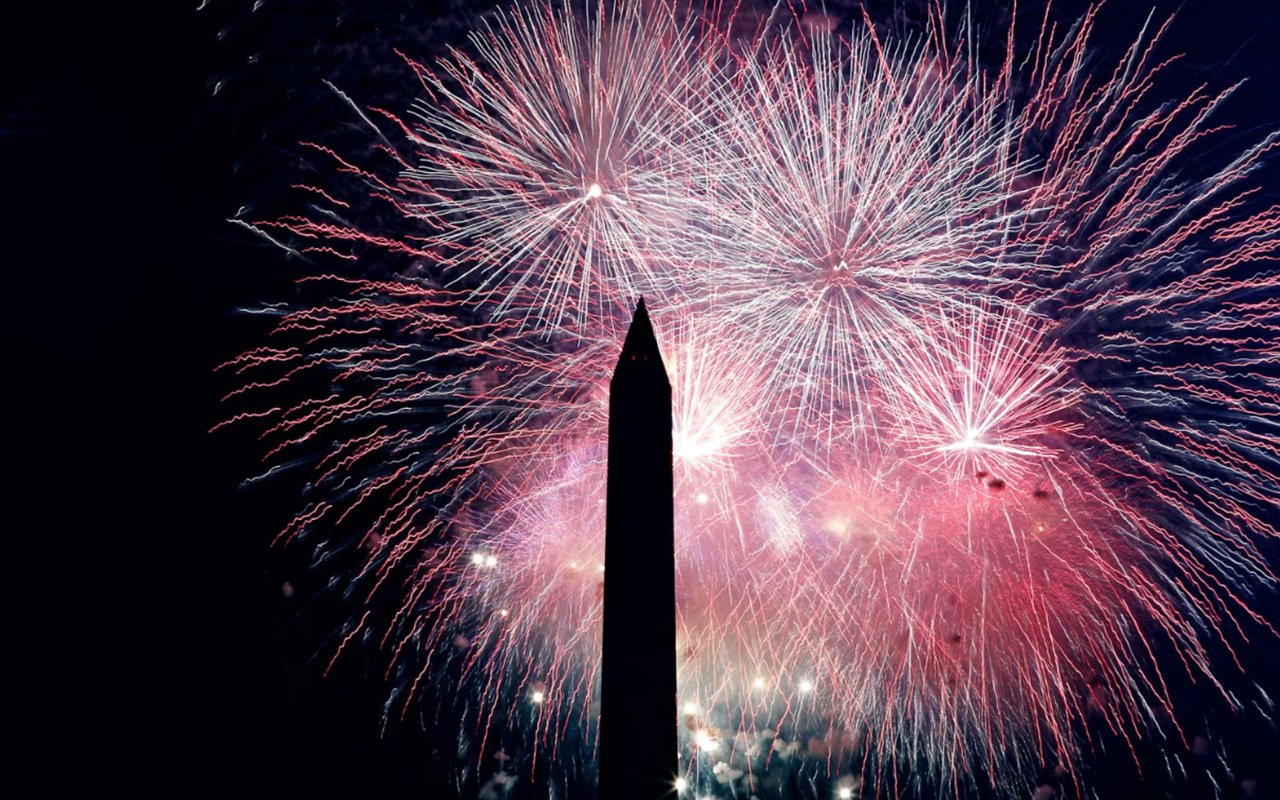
(639, 748)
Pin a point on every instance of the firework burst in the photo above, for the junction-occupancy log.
(975, 389)
(865, 184)
(980, 394)
(543, 166)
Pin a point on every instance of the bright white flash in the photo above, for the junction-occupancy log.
(705, 742)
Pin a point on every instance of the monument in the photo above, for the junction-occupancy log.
(639, 748)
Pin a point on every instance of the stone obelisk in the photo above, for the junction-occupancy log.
(638, 727)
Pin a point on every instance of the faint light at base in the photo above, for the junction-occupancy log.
(681, 784)
(845, 793)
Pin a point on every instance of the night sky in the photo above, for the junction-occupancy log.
(153, 648)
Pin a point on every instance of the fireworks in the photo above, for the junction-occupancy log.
(980, 394)
(974, 376)
(863, 191)
(540, 165)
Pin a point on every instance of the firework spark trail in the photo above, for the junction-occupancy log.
(976, 398)
(1170, 324)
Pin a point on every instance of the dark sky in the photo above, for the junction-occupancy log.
(144, 623)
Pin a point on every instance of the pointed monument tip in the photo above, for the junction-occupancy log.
(641, 343)
(641, 316)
